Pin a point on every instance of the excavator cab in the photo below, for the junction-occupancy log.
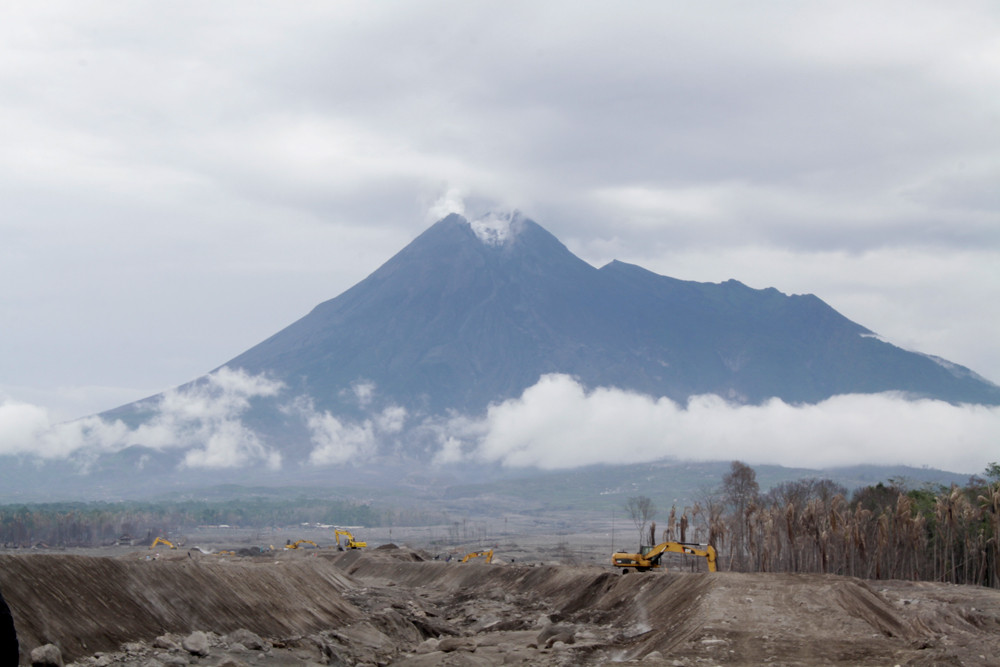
(351, 542)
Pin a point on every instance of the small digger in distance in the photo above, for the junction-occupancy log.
(298, 544)
(488, 555)
(351, 542)
(649, 557)
(160, 540)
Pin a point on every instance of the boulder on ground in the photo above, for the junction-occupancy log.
(449, 644)
(556, 629)
(251, 640)
(429, 645)
(47, 655)
(196, 643)
(564, 637)
(166, 642)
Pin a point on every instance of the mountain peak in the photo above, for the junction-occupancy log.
(497, 228)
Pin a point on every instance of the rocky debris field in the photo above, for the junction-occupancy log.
(398, 606)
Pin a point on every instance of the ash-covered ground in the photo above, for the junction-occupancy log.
(542, 601)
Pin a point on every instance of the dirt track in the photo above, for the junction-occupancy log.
(391, 606)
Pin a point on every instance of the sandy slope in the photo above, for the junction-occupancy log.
(392, 606)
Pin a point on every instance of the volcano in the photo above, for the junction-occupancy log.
(472, 313)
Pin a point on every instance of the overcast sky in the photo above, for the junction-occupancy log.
(179, 181)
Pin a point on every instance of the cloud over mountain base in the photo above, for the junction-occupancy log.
(555, 424)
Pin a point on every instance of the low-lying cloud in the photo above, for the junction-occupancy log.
(555, 424)
(337, 440)
(205, 418)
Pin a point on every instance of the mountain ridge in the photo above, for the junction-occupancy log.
(427, 327)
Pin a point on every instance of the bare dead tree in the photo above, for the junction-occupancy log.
(642, 510)
(741, 491)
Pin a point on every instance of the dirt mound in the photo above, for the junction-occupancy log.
(392, 606)
(86, 604)
(725, 617)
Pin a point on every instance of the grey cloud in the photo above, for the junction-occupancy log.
(233, 164)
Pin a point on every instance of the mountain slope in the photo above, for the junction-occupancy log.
(449, 322)
(453, 322)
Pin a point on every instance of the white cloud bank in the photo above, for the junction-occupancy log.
(557, 423)
(205, 418)
(338, 441)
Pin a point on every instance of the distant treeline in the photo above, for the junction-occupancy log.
(95, 524)
(886, 531)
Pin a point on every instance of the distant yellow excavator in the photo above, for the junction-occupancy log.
(295, 545)
(160, 540)
(649, 557)
(488, 555)
(351, 542)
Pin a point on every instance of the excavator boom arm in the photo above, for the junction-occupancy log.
(650, 557)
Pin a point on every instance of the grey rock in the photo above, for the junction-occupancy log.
(564, 637)
(449, 644)
(167, 643)
(196, 643)
(554, 630)
(249, 639)
(427, 646)
(47, 655)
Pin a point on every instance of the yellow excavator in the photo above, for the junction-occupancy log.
(295, 545)
(351, 542)
(649, 557)
(160, 540)
(488, 555)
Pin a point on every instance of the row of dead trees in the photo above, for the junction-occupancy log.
(881, 532)
(26, 527)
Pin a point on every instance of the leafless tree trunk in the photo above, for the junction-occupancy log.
(642, 510)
